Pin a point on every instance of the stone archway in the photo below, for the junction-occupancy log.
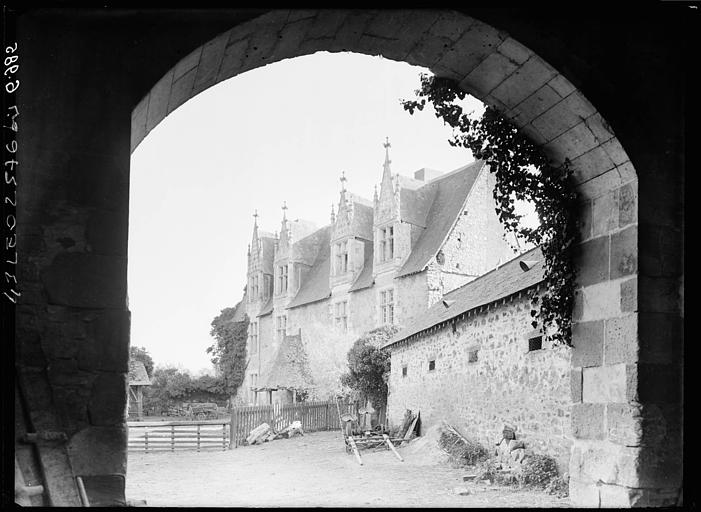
(626, 351)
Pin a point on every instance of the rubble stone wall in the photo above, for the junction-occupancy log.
(506, 385)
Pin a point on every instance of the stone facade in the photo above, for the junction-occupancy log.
(379, 262)
(506, 384)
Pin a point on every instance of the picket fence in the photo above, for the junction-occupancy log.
(314, 416)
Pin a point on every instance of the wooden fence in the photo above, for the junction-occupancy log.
(314, 416)
(179, 435)
(230, 433)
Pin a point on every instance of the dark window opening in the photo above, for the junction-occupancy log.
(535, 343)
(404, 371)
(431, 365)
(472, 356)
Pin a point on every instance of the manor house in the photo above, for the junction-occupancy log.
(380, 261)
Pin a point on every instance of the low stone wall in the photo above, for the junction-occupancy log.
(507, 384)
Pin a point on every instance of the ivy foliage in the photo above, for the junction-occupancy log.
(523, 173)
(229, 348)
(369, 365)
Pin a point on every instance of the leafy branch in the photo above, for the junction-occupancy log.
(523, 173)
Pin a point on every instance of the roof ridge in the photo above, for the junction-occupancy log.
(493, 270)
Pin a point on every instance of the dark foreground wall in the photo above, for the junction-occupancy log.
(82, 74)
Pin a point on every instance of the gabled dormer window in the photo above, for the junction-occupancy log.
(386, 236)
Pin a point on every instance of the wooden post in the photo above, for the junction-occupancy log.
(391, 446)
(172, 438)
(294, 396)
(146, 441)
(233, 443)
(355, 450)
(198, 437)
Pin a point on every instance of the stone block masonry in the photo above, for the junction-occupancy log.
(507, 384)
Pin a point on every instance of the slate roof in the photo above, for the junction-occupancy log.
(305, 250)
(268, 242)
(137, 374)
(446, 204)
(363, 213)
(316, 285)
(289, 368)
(365, 279)
(267, 307)
(501, 282)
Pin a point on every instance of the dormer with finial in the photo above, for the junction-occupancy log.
(351, 229)
(260, 258)
(386, 216)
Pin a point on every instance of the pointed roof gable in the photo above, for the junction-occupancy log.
(289, 368)
(137, 374)
(446, 204)
(500, 283)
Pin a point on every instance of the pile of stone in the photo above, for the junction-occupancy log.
(510, 452)
(264, 432)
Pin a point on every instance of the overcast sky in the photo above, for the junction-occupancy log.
(283, 132)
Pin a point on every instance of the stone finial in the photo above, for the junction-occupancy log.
(333, 215)
(343, 180)
(255, 216)
(284, 210)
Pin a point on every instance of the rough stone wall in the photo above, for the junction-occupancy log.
(363, 310)
(507, 384)
(476, 243)
(325, 345)
(411, 296)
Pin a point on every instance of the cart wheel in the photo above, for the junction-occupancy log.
(201, 416)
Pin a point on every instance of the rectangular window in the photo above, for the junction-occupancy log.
(431, 365)
(253, 338)
(404, 371)
(341, 315)
(254, 380)
(535, 343)
(390, 243)
(281, 327)
(472, 356)
(386, 236)
(282, 279)
(341, 258)
(387, 306)
(344, 257)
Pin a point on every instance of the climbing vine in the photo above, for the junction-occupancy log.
(523, 173)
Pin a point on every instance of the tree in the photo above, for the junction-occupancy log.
(368, 365)
(168, 386)
(141, 354)
(229, 349)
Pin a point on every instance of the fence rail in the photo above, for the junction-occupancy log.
(314, 416)
(232, 432)
(179, 435)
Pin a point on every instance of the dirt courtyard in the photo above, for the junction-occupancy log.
(313, 470)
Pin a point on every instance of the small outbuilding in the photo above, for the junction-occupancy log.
(138, 378)
(474, 360)
(288, 372)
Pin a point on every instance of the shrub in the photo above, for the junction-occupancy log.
(462, 452)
